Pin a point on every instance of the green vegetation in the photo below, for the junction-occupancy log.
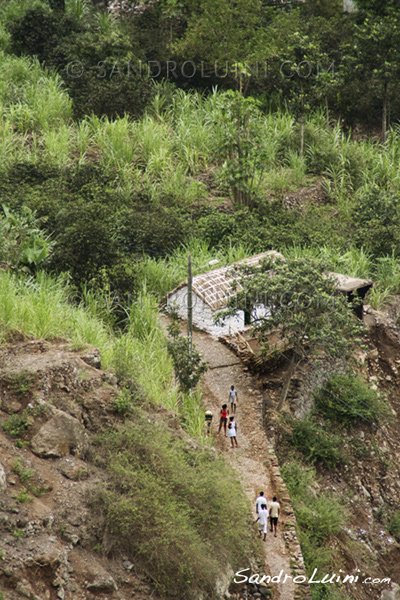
(166, 506)
(18, 533)
(347, 400)
(16, 425)
(302, 302)
(394, 526)
(317, 445)
(23, 496)
(31, 481)
(23, 474)
(188, 365)
(319, 518)
(114, 168)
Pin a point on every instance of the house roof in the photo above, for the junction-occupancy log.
(347, 284)
(215, 287)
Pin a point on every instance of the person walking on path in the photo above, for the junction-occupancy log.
(263, 521)
(274, 509)
(260, 501)
(233, 397)
(208, 418)
(232, 431)
(223, 418)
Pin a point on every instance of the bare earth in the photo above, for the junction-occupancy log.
(252, 458)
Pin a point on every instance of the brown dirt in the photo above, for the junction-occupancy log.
(252, 459)
(48, 541)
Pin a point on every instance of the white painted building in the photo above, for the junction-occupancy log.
(211, 292)
(349, 6)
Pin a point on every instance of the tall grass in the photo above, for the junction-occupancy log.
(177, 140)
(319, 518)
(163, 275)
(41, 308)
(44, 308)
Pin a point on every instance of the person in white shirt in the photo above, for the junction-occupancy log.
(263, 521)
(260, 501)
(232, 431)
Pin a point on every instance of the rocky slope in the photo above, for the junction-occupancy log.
(53, 401)
(368, 485)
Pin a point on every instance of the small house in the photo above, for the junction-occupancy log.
(212, 290)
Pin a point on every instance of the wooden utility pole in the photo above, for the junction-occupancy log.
(189, 304)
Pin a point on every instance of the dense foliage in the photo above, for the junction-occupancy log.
(130, 138)
(166, 507)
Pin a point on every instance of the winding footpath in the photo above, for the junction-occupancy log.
(254, 460)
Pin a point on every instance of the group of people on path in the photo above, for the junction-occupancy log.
(265, 510)
(223, 421)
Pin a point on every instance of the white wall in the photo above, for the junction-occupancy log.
(349, 6)
(203, 316)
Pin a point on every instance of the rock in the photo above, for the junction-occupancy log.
(102, 584)
(51, 558)
(128, 565)
(74, 469)
(61, 594)
(70, 537)
(13, 407)
(24, 589)
(92, 358)
(3, 480)
(59, 436)
(393, 594)
(222, 584)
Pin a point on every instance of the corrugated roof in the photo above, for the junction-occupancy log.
(215, 287)
(345, 283)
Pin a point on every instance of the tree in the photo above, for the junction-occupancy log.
(379, 7)
(22, 244)
(57, 5)
(241, 149)
(222, 33)
(304, 304)
(188, 366)
(373, 59)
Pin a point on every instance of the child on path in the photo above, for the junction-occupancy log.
(233, 397)
(232, 431)
(260, 501)
(263, 521)
(224, 418)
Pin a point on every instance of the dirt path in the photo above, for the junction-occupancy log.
(252, 458)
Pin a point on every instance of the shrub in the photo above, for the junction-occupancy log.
(394, 526)
(377, 217)
(188, 366)
(22, 244)
(318, 519)
(316, 444)
(166, 507)
(123, 403)
(38, 33)
(16, 425)
(348, 400)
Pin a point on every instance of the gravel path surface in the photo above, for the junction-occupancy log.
(252, 458)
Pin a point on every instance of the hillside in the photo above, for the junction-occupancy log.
(132, 136)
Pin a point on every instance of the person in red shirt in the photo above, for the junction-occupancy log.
(223, 418)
